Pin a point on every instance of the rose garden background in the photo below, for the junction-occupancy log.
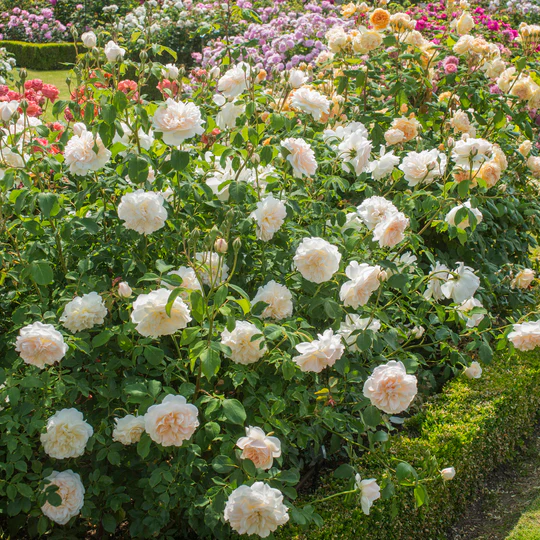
(243, 245)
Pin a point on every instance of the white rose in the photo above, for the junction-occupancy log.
(474, 371)
(448, 473)
(391, 231)
(40, 345)
(235, 81)
(462, 285)
(366, 40)
(353, 326)
(394, 136)
(319, 353)
(533, 163)
(270, 215)
(384, 166)
(228, 114)
(525, 336)
(525, 148)
(89, 40)
(80, 153)
(142, 211)
(70, 490)
(339, 133)
(363, 281)
(213, 268)
(301, 157)
(114, 52)
(374, 210)
(464, 223)
(423, 167)
(178, 121)
(355, 150)
(190, 282)
(417, 332)
(84, 312)
(172, 422)
(170, 71)
(244, 350)
(337, 38)
(473, 319)
(465, 23)
(469, 154)
(311, 102)
(463, 45)
(128, 430)
(67, 434)
(316, 259)
(259, 448)
(278, 298)
(256, 509)
(151, 318)
(369, 492)
(523, 279)
(390, 389)
(436, 278)
(297, 78)
(124, 290)
(8, 109)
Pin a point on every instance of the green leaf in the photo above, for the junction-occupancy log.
(344, 471)
(170, 301)
(221, 295)
(237, 191)
(210, 363)
(143, 446)
(405, 471)
(234, 411)
(179, 160)
(372, 416)
(223, 464)
(197, 306)
(41, 272)
(102, 338)
(420, 495)
(485, 353)
(48, 203)
(25, 490)
(109, 523)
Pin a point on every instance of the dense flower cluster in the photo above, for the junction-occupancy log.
(38, 26)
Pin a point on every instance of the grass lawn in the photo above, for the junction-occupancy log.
(528, 527)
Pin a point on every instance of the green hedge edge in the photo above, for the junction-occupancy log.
(41, 56)
(473, 425)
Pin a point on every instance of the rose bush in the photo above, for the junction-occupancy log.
(197, 314)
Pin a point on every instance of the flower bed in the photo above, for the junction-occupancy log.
(473, 425)
(220, 288)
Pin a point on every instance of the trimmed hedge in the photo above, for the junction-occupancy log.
(473, 425)
(41, 56)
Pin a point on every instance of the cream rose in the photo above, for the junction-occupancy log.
(363, 281)
(70, 490)
(525, 336)
(270, 216)
(213, 268)
(310, 102)
(171, 422)
(369, 492)
(190, 282)
(374, 210)
(244, 350)
(150, 316)
(390, 232)
(85, 153)
(83, 313)
(462, 284)
(353, 326)
(474, 371)
(390, 389)
(178, 121)
(301, 157)
(317, 260)
(259, 448)
(278, 298)
(142, 211)
(319, 353)
(40, 345)
(523, 279)
(128, 430)
(235, 80)
(67, 434)
(448, 473)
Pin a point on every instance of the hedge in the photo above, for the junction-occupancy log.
(473, 425)
(41, 56)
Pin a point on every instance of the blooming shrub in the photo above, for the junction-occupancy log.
(38, 26)
(208, 294)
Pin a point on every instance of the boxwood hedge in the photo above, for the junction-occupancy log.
(41, 56)
(473, 425)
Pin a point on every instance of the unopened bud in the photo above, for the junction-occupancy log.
(220, 245)
(237, 244)
(124, 290)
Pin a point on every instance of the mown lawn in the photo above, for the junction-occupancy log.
(528, 527)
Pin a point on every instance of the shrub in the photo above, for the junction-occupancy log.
(42, 56)
(473, 425)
